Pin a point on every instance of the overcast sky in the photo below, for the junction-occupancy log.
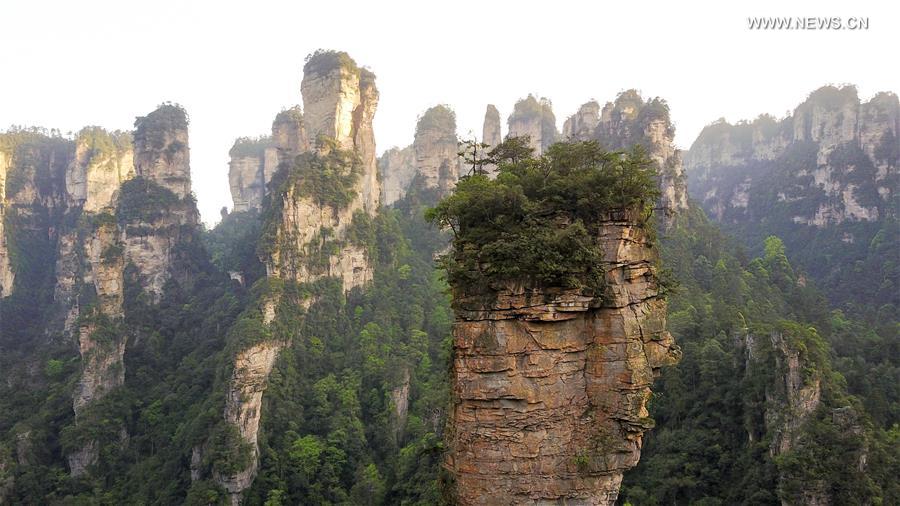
(234, 65)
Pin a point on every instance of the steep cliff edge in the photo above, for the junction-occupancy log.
(325, 193)
(551, 387)
(556, 341)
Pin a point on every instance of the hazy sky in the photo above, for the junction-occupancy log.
(234, 65)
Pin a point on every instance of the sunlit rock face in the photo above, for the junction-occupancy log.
(550, 387)
(833, 160)
(534, 119)
(340, 100)
(161, 151)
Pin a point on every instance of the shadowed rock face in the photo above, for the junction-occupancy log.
(550, 387)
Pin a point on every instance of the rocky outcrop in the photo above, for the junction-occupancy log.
(103, 161)
(833, 160)
(161, 151)
(534, 119)
(550, 387)
(630, 121)
(435, 144)
(582, 124)
(490, 132)
(243, 407)
(308, 236)
(156, 210)
(432, 163)
(247, 173)
(397, 168)
(7, 276)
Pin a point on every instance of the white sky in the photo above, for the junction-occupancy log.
(234, 65)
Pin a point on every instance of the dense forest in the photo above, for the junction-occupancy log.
(785, 394)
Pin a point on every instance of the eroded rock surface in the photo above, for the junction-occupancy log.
(550, 387)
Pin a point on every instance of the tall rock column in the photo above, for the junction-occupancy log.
(7, 277)
(308, 235)
(550, 387)
(435, 144)
(534, 119)
(156, 209)
(630, 120)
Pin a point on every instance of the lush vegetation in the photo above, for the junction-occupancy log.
(537, 222)
(323, 61)
(722, 410)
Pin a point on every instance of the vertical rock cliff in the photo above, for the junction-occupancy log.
(431, 164)
(550, 386)
(156, 210)
(161, 153)
(490, 132)
(247, 174)
(833, 160)
(326, 188)
(435, 144)
(534, 119)
(397, 168)
(7, 277)
(630, 121)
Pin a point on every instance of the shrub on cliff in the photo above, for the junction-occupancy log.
(537, 222)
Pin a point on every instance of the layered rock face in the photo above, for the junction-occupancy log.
(833, 160)
(550, 387)
(534, 119)
(161, 151)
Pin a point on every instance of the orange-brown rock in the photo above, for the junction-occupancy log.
(550, 386)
